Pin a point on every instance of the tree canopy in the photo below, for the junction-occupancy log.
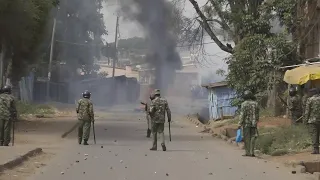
(258, 52)
(22, 26)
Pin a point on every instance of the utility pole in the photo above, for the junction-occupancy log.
(2, 56)
(50, 60)
(115, 59)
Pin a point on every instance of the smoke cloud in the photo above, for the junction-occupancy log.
(154, 16)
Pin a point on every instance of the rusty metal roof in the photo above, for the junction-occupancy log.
(216, 84)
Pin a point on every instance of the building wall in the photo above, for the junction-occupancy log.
(220, 100)
(128, 72)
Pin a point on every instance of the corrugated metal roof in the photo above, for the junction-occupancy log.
(217, 84)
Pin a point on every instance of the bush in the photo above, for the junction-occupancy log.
(39, 109)
(290, 139)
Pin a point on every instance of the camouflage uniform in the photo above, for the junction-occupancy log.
(85, 116)
(249, 117)
(312, 118)
(8, 113)
(295, 107)
(159, 106)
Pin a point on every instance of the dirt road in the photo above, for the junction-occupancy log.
(122, 152)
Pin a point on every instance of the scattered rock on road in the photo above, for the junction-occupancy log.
(62, 173)
(101, 146)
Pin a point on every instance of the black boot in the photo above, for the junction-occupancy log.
(85, 143)
(315, 151)
(164, 148)
(153, 148)
(148, 133)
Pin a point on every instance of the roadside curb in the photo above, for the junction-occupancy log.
(214, 134)
(19, 160)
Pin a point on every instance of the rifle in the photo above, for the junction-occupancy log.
(94, 133)
(169, 131)
(283, 101)
(143, 103)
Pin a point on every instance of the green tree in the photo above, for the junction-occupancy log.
(22, 26)
(258, 52)
(78, 37)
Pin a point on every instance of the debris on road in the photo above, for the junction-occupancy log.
(85, 158)
(167, 174)
(101, 146)
(86, 154)
(77, 161)
(62, 173)
(121, 161)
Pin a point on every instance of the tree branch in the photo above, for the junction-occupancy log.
(217, 8)
(205, 25)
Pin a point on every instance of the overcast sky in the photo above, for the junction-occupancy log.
(213, 61)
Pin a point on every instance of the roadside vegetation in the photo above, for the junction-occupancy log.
(276, 136)
(39, 110)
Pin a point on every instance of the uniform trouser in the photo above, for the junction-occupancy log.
(158, 128)
(149, 122)
(314, 130)
(249, 138)
(5, 131)
(84, 130)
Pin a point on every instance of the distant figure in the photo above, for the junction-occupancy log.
(85, 116)
(8, 113)
(249, 117)
(158, 108)
(312, 118)
(295, 106)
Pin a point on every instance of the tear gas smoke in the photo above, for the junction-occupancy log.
(154, 17)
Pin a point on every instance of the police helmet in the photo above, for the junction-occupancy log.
(292, 91)
(157, 92)
(6, 89)
(86, 94)
(247, 95)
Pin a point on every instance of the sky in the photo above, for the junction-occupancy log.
(213, 61)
